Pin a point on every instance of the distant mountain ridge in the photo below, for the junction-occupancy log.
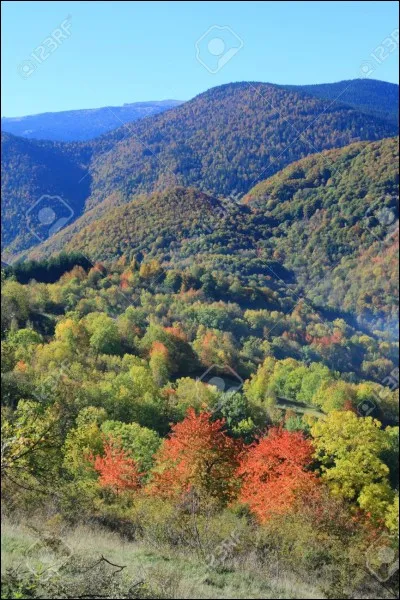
(371, 96)
(84, 124)
(222, 142)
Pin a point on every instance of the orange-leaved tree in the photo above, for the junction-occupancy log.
(274, 472)
(117, 470)
(198, 456)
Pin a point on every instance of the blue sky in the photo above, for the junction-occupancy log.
(109, 53)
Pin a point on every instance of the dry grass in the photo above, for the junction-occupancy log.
(170, 574)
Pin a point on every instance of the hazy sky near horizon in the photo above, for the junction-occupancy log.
(70, 55)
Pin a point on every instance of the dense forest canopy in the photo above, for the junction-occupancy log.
(130, 392)
(313, 231)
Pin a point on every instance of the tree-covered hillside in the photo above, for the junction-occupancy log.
(323, 228)
(210, 380)
(335, 223)
(378, 98)
(223, 142)
(184, 412)
(31, 169)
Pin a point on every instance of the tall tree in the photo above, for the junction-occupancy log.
(197, 456)
(274, 472)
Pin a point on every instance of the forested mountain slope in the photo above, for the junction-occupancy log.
(335, 222)
(378, 98)
(326, 225)
(31, 169)
(223, 142)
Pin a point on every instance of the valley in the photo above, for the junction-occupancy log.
(200, 348)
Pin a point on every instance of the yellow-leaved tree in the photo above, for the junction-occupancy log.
(350, 451)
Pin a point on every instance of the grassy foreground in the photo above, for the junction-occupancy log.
(76, 570)
(93, 562)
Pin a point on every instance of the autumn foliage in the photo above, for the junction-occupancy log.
(158, 348)
(176, 332)
(197, 456)
(117, 471)
(274, 472)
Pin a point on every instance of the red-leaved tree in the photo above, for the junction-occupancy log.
(117, 471)
(274, 472)
(197, 456)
